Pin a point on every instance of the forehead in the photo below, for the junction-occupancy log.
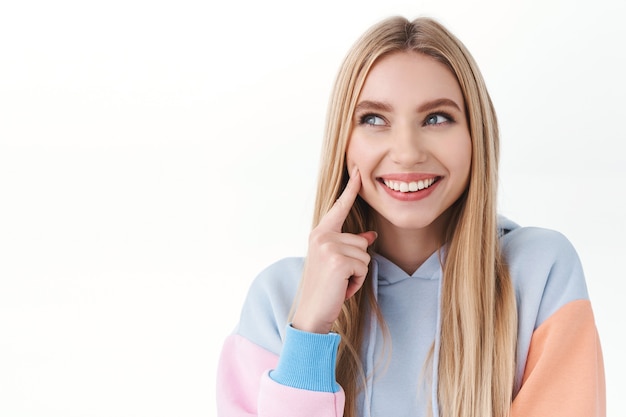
(410, 76)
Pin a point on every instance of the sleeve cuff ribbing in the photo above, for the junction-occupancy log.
(307, 361)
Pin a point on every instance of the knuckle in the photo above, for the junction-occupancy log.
(317, 237)
(313, 237)
(328, 250)
(367, 258)
(363, 270)
(336, 262)
(332, 255)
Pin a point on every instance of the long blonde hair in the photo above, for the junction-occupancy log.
(479, 325)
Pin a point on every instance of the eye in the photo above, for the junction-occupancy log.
(372, 120)
(437, 119)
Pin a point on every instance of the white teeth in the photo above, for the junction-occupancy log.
(408, 187)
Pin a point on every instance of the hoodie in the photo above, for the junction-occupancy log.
(268, 368)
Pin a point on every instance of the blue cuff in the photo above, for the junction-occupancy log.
(307, 361)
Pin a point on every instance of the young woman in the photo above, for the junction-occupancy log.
(415, 298)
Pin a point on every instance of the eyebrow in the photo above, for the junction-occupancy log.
(429, 105)
(373, 105)
(440, 102)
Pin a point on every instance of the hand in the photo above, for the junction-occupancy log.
(335, 267)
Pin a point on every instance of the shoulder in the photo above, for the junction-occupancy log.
(545, 268)
(279, 276)
(270, 297)
(538, 244)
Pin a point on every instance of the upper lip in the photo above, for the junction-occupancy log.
(408, 176)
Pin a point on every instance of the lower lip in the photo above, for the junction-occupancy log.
(411, 196)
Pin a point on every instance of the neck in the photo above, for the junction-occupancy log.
(409, 248)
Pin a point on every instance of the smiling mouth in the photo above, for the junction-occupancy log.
(409, 187)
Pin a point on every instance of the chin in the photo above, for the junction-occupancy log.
(426, 222)
(409, 222)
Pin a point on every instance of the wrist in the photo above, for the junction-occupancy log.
(310, 325)
(308, 361)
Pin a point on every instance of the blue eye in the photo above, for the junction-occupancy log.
(436, 119)
(372, 120)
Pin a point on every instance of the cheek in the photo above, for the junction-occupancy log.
(352, 155)
(359, 154)
(463, 161)
(460, 156)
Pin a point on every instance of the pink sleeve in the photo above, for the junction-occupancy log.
(564, 374)
(244, 387)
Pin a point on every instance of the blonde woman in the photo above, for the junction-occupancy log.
(415, 298)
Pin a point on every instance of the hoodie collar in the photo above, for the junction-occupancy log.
(390, 273)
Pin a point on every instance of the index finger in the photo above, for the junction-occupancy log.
(339, 211)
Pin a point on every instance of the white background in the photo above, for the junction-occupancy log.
(156, 155)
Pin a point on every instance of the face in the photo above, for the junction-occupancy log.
(410, 141)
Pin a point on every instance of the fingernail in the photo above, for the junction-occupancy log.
(355, 171)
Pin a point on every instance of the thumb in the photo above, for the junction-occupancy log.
(370, 236)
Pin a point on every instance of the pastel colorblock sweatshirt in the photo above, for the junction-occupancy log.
(269, 369)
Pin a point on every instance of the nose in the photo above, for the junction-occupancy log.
(407, 148)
